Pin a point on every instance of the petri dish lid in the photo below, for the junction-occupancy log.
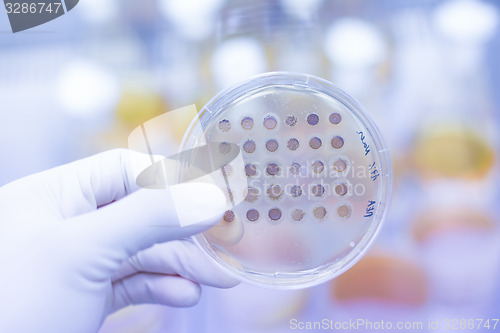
(310, 184)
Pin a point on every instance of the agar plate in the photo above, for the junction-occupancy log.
(310, 187)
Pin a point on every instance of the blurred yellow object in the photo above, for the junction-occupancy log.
(382, 278)
(139, 105)
(435, 222)
(180, 123)
(453, 152)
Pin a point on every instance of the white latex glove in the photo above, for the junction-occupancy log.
(70, 255)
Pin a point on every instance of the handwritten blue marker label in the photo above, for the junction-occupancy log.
(370, 208)
(365, 145)
(373, 172)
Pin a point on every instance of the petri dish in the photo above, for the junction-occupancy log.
(316, 182)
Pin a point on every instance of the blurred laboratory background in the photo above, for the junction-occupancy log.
(427, 71)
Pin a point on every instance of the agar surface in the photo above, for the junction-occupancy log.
(317, 168)
(307, 170)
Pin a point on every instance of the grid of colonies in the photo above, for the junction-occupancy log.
(301, 154)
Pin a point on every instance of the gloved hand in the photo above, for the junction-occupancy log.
(80, 241)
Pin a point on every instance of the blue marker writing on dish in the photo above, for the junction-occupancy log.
(370, 208)
(365, 145)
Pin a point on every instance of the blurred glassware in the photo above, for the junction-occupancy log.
(463, 267)
(99, 12)
(355, 48)
(139, 102)
(236, 59)
(432, 223)
(472, 22)
(192, 19)
(453, 151)
(304, 10)
(86, 90)
(382, 279)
